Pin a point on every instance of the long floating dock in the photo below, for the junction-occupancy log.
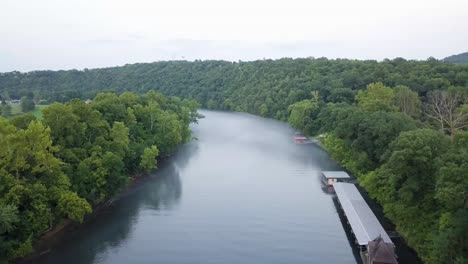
(371, 237)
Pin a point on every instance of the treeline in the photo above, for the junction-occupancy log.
(264, 87)
(411, 155)
(78, 156)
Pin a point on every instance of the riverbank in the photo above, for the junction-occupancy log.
(402, 248)
(53, 236)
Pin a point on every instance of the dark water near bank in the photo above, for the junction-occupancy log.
(242, 193)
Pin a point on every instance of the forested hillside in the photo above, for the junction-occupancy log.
(78, 156)
(399, 126)
(461, 58)
(264, 87)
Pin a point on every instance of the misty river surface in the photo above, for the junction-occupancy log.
(242, 193)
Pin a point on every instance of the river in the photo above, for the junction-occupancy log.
(242, 193)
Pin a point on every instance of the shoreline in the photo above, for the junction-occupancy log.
(376, 207)
(50, 238)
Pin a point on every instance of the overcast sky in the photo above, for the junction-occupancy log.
(67, 34)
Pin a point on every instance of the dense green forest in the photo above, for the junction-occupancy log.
(398, 125)
(461, 58)
(78, 156)
(265, 87)
(410, 155)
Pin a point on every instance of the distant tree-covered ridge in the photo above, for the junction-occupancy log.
(461, 58)
(264, 87)
(79, 155)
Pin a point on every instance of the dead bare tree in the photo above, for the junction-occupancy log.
(448, 110)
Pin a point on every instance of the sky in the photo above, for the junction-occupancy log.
(78, 34)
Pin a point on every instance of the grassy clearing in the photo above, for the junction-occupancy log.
(16, 110)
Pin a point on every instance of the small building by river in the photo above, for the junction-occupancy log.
(331, 177)
(298, 139)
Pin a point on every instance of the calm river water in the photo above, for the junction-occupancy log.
(242, 193)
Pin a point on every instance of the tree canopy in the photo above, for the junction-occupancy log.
(78, 156)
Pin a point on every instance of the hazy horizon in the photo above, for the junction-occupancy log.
(56, 35)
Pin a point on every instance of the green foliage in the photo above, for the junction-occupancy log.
(8, 218)
(452, 176)
(410, 166)
(22, 121)
(79, 155)
(407, 101)
(300, 113)
(406, 186)
(5, 109)
(23, 249)
(73, 207)
(240, 86)
(27, 104)
(346, 156)
(377, 130)
(376, 97)
(449, 243)
(341, 95)
(148, 158)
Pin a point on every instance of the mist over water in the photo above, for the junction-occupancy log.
(242, 193)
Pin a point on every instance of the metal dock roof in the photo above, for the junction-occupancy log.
(364, 223)
(335, 175)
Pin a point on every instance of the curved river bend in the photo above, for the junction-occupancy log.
(242, 193)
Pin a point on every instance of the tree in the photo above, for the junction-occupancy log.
(148, 159)
(447, 108)
(452, 176)
(27, 104)
(263, 110)
(119, 139)
(409, 167)
(73, 207)
(22, 121)
(376, 97)
(5, 109)
(37, 97)
(66, 129)
(407, 101)
(341, 95)
(168, 132)
(377, 130)
(405, 186)
(300, 112)
(8, 220)
(449, 243)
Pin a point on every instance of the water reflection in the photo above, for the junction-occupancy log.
(163, 192)
(185, 154)
(109, 230)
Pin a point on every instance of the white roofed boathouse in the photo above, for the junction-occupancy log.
(370, 236)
